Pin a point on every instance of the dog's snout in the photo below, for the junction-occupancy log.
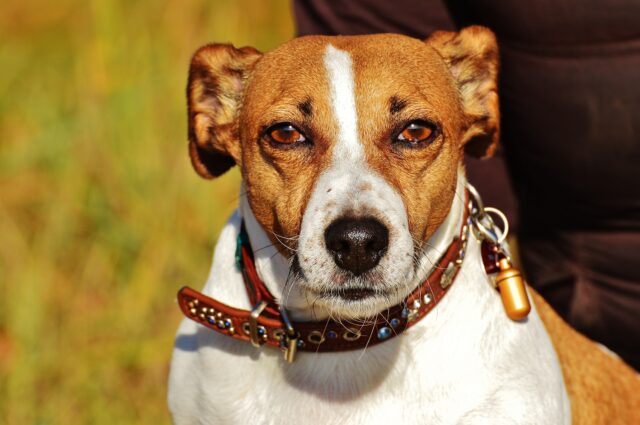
(357, 244)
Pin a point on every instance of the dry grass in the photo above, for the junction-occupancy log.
(101, 217)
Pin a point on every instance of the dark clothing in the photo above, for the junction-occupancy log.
(592, 279)
(570, 97)
(570, 104)
(351, 17)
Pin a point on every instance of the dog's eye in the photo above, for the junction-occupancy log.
(416, 132)
(285, 133)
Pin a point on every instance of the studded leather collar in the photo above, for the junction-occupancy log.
(268, 324)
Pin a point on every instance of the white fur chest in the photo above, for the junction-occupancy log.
(465, 363)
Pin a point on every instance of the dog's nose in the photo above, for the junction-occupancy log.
(357, 244)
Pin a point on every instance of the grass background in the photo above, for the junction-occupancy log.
(101, 217)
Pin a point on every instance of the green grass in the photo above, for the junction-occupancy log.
(101, 217)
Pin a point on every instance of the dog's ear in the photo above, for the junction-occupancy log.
(217, 77)
(472, 58)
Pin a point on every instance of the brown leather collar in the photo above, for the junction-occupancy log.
(268, 324)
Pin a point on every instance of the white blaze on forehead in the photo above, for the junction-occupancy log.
(340, 72)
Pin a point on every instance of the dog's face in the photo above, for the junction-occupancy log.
(349, 148)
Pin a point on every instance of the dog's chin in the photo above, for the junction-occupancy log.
(354, 302)
(353, 307)
(343, 295)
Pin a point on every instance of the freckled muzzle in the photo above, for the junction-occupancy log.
(356, 244)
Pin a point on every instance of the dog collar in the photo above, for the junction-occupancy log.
(268, 324)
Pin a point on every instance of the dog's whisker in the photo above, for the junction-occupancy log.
(273, 255)
(262, 248)
(420, 254)
(281, 239)
(364, 350)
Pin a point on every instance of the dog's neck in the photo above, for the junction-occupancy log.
(274, 268)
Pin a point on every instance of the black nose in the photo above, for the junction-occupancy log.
(357, 244)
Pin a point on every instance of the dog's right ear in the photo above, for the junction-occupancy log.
(217, 78)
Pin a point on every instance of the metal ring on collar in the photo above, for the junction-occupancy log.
(352, 334)
(475, 197)
(315, 337)
(488, 231)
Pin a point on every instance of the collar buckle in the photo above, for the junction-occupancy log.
(257, 333)
(289, 342)
(289, 348)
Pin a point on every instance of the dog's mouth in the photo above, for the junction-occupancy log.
(350, 294)
(355, 294)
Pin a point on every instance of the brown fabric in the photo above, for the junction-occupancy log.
(602, 389)
(570, 104)
(591, 279)
(346, 17)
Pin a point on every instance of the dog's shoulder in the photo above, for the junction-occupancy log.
(602, 389)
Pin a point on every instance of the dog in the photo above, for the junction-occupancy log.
(351, 153)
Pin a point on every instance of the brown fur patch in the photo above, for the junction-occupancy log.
(280, 181)
(396, 105)
(214, 91)
(472, 57)
(306, 107)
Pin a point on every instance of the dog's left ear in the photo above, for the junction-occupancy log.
(472, 58)
(217, 78)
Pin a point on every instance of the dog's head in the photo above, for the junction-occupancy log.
(349, 148)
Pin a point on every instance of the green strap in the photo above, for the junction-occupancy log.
(241, 240)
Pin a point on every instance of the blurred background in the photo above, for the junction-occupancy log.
(101, 217)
